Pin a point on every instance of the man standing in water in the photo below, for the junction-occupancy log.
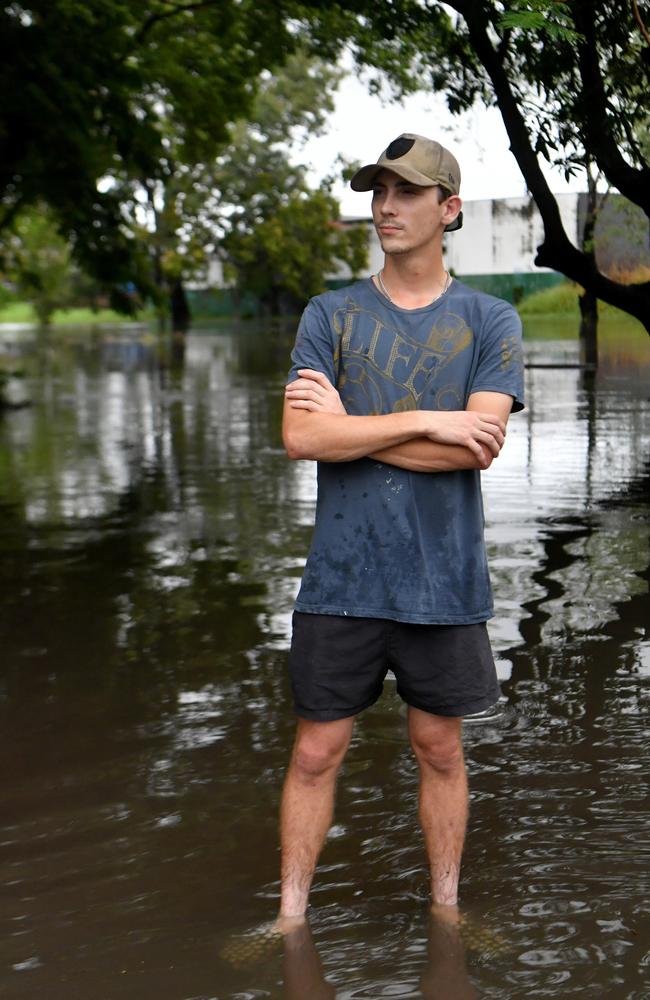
(400, 389)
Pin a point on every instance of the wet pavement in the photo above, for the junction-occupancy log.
(152, 536)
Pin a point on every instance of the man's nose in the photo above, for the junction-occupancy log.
(388, 203)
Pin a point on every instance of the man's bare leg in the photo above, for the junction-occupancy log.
(308, 805)
(443, 803)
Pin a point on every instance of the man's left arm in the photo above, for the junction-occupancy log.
(422, 455)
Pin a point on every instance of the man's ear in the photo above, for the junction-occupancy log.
(451, 208)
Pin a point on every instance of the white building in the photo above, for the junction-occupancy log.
(501, 236)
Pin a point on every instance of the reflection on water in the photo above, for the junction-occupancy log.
(437, 945)
(152, 537)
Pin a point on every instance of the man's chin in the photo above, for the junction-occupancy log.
(390, 242)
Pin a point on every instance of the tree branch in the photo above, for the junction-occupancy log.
(520, 144)
(172, 12)
(634, 183)
(557, 251)
(639, 21)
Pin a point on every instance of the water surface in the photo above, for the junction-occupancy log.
(152, 537)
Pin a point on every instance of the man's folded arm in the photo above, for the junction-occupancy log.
(338, 437)
(311, 431)
(423, 455)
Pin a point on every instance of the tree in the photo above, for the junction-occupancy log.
(284, 258)
(165, 217)
(280, 238)
(221, 206)
(38, 262)
(94, 87)
(570, 81)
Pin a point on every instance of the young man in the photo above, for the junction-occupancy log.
(401, 388)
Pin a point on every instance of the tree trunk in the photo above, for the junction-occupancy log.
(588, 330)
(180, 309)
(270, 302)
(588, 301)
(159, 283)
(632, 182)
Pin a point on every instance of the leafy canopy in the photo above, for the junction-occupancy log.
(570, 80)
(96, 87)
(38, 262)
(280, 235)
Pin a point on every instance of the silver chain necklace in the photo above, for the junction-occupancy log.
(434, 299)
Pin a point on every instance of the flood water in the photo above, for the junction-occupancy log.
(152, 535)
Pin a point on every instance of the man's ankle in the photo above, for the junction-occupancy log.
(286, 923)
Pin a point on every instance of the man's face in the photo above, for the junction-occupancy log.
(406, 216)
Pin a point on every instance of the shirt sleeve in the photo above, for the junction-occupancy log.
(314, 347)
(500, 365)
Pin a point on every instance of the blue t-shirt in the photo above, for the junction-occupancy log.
(389, 543)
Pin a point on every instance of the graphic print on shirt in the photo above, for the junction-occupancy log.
(383, 369)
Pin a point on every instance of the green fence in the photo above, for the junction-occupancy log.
(221, 302)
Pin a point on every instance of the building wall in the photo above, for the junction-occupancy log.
(501, 236)
(211, 278)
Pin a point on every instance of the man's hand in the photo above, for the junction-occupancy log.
(469, 428)
(313, 391)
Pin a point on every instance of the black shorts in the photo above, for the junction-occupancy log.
(338, 665)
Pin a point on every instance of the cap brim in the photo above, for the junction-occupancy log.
(364, 179)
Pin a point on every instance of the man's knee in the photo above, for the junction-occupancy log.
(439, 747)
(320, 747)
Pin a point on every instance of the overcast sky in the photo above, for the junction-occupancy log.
(362, 126)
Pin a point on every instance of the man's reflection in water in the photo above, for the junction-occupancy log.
(444, 977)
(303, 972)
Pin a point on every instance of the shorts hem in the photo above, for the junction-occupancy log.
(333, 714)
(453, 711)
